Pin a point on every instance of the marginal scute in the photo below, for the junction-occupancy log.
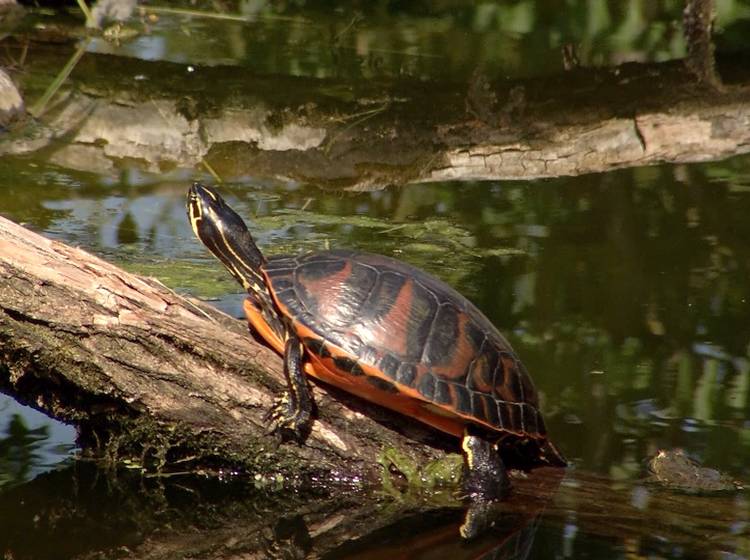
(516, 416)
(283, 264)
(283, 284)
(442, 393)
(348, 365)
(426, 386)
(504, 418)
(389, 365)
(382, 385)
(369, 355)
(490, 410)
(461, 399)
(406, 374)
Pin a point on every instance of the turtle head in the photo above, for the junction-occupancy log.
(225, 234)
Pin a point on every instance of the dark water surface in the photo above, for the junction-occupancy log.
(625, 293)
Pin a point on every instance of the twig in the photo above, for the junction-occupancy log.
(38, 108)
(86, 12)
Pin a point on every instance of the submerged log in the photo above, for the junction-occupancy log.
(163, 380)
(361, 135)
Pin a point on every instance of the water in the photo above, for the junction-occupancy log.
(31, 443)
(624, 292)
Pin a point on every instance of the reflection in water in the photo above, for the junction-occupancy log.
(19, 450)
(82, 511)
(30, 443)
(626, 293)
(432, 534)
(303, 110)
(422, 40)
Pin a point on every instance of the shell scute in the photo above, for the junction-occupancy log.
(406, 374)
(348, 365)
(442, 394)
(461, 399)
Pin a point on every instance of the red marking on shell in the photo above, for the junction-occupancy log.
(480, 375)
(505, 390)
(328, 290)
(391, 331)
(461, 355)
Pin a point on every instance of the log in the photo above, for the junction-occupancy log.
(397, 131)
(164, 381)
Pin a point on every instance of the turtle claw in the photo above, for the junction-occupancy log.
(288, 422)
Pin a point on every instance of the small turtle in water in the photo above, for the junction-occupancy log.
(388, 333)
(674, 469)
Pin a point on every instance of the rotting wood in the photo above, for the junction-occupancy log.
(160, 379)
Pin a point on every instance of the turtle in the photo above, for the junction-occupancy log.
(674, 468)
(390, 333)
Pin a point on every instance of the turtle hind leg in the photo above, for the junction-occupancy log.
(291, 415)
(485, 476)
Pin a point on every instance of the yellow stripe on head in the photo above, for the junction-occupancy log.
(225, 234)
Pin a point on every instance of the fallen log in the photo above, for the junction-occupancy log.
(399, 131)
(164, 381)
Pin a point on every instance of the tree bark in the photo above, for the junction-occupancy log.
(163, 380)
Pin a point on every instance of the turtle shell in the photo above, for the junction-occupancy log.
(388, 332)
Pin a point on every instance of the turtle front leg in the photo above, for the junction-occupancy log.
(291, 415)
(485, 477)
